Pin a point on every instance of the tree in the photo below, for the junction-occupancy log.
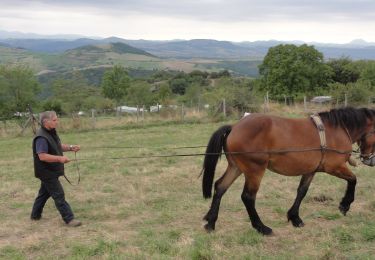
(357, 93)
(53, 104)
(139, 94)
(164, 93)
(18, 88)
(179, 85)
(344, 70)
(239, 93)
(115, 83)
(293, 71)
(73, 92)
(367, 72)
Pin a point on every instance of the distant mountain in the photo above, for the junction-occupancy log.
(48, 45)
(117, 47)
(4, 45)
(198, 48)
(360, 42)
(21, 35)
(357, 49)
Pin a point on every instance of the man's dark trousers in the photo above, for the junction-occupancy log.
(52, 188)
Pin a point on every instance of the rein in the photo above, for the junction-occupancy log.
(78, 172)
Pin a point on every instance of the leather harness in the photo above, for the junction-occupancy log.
(322, 136)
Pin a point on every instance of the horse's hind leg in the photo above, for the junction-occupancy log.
(293, 212)
(221, 186)
(248, 197)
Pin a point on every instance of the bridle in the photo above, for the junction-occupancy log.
(365, 156)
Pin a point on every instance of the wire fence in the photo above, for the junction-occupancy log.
(139, 115)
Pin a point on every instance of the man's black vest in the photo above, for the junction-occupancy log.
(48, 170)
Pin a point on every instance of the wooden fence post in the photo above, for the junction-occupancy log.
(143, 113)
(224, 108)
(346, 100)
(182, 112)
(137, 113)
(93, 119)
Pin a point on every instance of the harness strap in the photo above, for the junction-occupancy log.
(322, 136)
(321, 130)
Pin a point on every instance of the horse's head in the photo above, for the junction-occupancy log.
(367, 144)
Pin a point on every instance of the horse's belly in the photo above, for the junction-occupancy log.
(292, 165)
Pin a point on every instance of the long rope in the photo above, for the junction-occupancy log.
(144, 147)
(201, 154)
(221, 153)
(78, 172)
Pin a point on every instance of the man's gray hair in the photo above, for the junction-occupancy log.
(46, 115)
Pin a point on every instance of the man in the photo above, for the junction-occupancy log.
(49, 166)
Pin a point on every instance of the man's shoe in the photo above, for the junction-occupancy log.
(74, 223)
(35, 218)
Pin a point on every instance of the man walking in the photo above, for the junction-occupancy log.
(49, 166)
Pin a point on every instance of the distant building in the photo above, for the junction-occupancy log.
(126, 109)
(155, 108)
(321, 99)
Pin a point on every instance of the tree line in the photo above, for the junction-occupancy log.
(287, 70)
(297, 71)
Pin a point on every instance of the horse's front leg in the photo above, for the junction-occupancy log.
(344, 173)
(293, 212)
(221, 186)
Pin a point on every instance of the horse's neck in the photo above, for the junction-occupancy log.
(355, 135)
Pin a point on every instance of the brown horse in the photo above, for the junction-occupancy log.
(289, 147)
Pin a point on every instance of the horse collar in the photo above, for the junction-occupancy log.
(321, 130)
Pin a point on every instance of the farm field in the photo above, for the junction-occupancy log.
(152, 208)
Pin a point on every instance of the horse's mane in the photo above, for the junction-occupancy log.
(348, 117)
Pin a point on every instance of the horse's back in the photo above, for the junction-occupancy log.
(273, 132)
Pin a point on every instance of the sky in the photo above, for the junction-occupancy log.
(326, 21)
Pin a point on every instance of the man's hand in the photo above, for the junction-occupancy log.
(63, 159)
(75, 148)
(45, 157)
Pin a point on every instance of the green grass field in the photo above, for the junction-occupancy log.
(153, 208)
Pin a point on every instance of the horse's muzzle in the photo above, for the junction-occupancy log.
(370, 161)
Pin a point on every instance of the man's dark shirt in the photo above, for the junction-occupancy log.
(41, 145)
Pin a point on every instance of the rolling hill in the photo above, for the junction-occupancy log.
(105, 55)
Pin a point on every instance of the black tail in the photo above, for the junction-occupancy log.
(213, 153)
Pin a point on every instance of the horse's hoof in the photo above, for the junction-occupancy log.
(298, 224)
(296, 221)
(343, 209)
(209, 228)
(264, 230)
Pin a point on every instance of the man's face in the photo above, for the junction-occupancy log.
(51, 123)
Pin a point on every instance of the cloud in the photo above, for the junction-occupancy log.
(308, 20)
(219, 10)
